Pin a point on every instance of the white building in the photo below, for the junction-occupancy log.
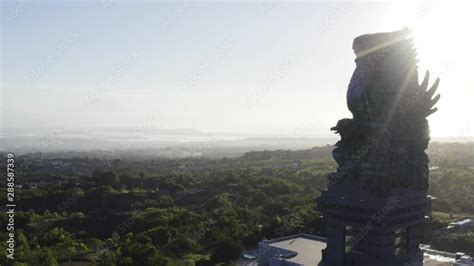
(294, 250)
(460, 225)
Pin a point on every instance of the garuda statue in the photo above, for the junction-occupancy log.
(383, 146)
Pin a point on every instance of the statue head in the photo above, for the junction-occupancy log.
(369, 43)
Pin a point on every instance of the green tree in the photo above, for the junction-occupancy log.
(226, 250)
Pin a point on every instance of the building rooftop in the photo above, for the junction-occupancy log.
(434, 257)
(462, 222)
(300, 249)
(437, 260)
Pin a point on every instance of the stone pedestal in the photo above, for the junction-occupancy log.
(372, 231)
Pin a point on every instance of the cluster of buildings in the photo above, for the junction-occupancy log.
(304, 249)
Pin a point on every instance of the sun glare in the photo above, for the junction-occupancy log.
(444, 48)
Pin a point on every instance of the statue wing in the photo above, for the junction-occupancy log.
(427, 102)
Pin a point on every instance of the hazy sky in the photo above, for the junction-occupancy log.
(246, 67)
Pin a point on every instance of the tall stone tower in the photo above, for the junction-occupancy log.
(376, 203)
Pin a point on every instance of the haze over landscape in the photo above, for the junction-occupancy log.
(196, 71)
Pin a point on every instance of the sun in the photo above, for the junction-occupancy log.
(439, 34)
(445, 47)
